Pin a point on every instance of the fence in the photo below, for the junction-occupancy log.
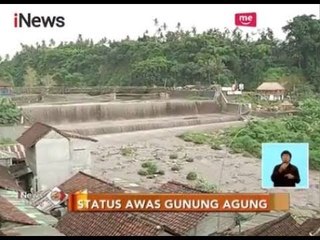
(88, 90)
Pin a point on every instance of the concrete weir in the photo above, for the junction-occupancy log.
(116, 117)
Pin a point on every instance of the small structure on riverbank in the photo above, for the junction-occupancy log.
(286, 106)
(5, 88)
(271, 91)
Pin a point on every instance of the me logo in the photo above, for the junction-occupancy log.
(246, 19)
(21, 20)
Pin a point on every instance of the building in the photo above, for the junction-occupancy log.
(11, 154)
(286, 226)
(276, 224)
(286, 106)
(54, 155)
(190, 223)
(137, 224)
(101, 223)
(7, 181)
(6, 158)
(271, 91)
(17, 216)
(23, 174)
(5, 88)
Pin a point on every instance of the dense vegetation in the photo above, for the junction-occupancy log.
(180, 57)
(304, 127)
(9, 113)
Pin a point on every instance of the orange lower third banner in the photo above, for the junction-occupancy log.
(249, 202)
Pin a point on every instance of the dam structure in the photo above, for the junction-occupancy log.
(97, 118)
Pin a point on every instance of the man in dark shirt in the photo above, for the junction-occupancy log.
(285, 174)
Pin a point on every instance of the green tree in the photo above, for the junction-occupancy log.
(31, 78)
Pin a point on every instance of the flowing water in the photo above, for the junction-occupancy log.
(91, 112)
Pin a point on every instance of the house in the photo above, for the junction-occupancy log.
(5, 88)
(137, 224)
(101, 223)
(11, 154)
(6, 158)
(276, 224)
(54, 155)
(7, 181)
(18, 218)
(190, 223)
(286, 106)
(271, 91)
(23, 174)
(286, 226)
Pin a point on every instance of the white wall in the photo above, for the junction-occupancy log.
(31, 160)
(80, 155)
(53, 160)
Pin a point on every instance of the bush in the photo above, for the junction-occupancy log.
(146, 164)
(142, 172)
(9, 113)
(173, 156)
(189, 159)
(204, 185)
(161, 172)
(175, 168)
(216, 147)
(127, 151)
(152, 169)
(304, 127)
(192, 176)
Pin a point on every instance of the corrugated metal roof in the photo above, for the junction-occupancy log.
(17, 150)
(6, 154)
(26, 208)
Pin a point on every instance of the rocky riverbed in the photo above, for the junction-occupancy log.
(118, 157)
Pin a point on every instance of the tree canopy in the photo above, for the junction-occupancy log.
(174, 58)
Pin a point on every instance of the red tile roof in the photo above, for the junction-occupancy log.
(106, 224)
(311, 226)
(81, 181)
(285, 226)
(177, 187)
(138, 224)
(38, 130)
(8, 212)
(177, 223)
(7, 181)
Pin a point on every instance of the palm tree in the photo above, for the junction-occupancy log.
(156, 22)
(178, 26)
(164, 26)
(194, 30)
(52, 43)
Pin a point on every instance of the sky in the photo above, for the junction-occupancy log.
(116, 21)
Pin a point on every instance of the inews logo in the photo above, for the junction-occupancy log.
(246, 19)
(27, 20)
